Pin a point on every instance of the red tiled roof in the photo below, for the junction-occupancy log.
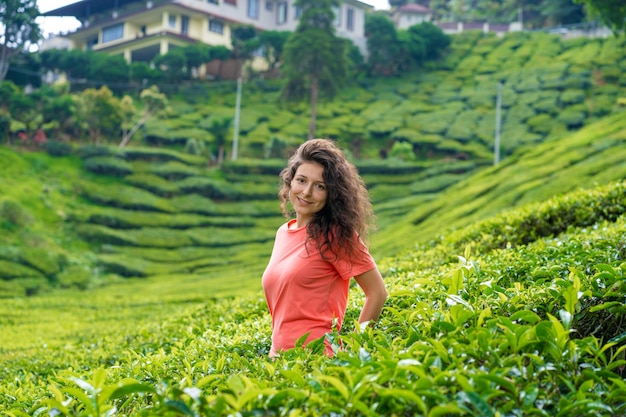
(413, 8)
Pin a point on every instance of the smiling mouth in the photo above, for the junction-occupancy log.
(303, 201)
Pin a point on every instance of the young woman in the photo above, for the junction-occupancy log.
(316, 254)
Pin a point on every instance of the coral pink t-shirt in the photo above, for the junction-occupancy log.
(305, 293)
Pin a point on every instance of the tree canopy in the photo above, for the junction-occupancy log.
(18, 29)
(611, 12)
(314, 60)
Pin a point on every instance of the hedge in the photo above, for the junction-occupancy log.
(172, 170)
(163, 155)
(89, 151)
(132, 219)
(150, 237)
(153, 183)
(572, 96)
(12, 270)
(124, 196)
(108, 165)
(573, 119)
(549, 218)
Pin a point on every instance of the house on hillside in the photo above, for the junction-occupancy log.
(142, 29)
(410, 14)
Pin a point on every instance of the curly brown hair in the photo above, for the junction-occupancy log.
(348, 209)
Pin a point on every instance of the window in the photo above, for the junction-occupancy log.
(350, 18)
(213, 1)
(232, 2)
(184, 25)
(172, 21)
(216, 26)
(260, 52)
(91, 43)
(282, 12)
(269, 5)
(298, 12)
(337, 12)
(112, 33)
(253, 9)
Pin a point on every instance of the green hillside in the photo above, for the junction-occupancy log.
(149, 211)
(130, 278)
(520, 314)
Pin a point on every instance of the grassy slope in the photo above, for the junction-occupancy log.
(107, 326)
(594, 155)
(138, 317)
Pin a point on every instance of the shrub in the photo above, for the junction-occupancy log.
(402, 151)
(126, 197)
(13, 216)
(572, 96)
(153, 183)
(163, 155)
(572, 118)
(108, 165)
(172, 170)
(208, 187)
(12, 270)
(57, 148)
(89, 151)
(549, 218)
(75, 276)
(541, 123)
(44, 260)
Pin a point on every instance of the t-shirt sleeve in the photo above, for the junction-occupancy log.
(360, 263)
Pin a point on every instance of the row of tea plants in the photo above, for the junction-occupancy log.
(519, 315)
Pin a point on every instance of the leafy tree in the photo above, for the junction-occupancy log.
(244, 41)
(7, 91)
(219, 129)
(219, 53)
(172, 64)
(435, 41)
(26, 108)
(110, 70)
(314, 59)
(611, 12)
(25, 69)
(153, 101)
(383, 45)
(142, 73)
(99, 113)
(273, 44)
(196, 55)
(51, 59)
(562, 12)
(356, 60)
(413, 48)
(75, 64)
(61, 110)
(18, 29)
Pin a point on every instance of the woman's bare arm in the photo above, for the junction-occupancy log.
(372, 284)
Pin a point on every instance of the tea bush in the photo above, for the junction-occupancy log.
(108, 165)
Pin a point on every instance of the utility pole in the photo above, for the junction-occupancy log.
(237, 112)
(496, 150)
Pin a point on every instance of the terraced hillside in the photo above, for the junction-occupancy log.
(550, 87)
(594, 155)
(156, 211)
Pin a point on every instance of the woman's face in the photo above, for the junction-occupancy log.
(308, 192)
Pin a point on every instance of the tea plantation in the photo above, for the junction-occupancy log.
(130, 278)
